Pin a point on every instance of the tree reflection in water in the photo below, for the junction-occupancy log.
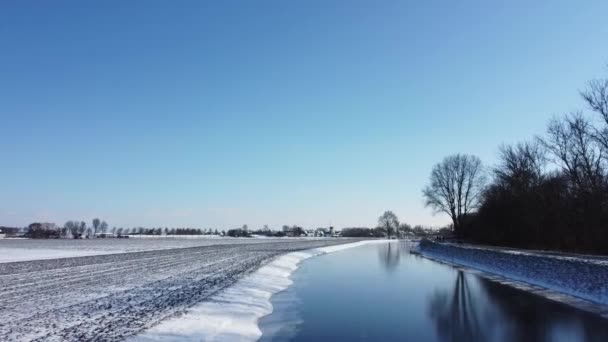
(532, 318)
(390, 254)
(455, 312)
(476, 309)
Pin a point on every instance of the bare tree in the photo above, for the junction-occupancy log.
(72, 227)
(82, 228)
(96, 224)
(596, 97)
(572, 144)
(521, 166)
(64, 231)
(456, 187)
(103, 227)
(389, 222)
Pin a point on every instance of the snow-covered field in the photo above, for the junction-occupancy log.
(108, 297)
(579, 276)
(12, 250)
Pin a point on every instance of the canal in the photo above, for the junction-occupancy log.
(381, 292)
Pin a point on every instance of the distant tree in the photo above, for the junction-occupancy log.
(456, 187)
(297, 230)
(82, 228)
(358, 232)
(388, 222)
(64, 231)
(419, 230)
(103, 227)
(403, 229)
(444, 231)
(72, 227)
(239, 232)
(96, 224)
(43, 230)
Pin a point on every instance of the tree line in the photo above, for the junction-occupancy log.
(550, 192)
(79, 229)
(388, 226)
(71, 229)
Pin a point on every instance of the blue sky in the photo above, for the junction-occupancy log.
(221, 113)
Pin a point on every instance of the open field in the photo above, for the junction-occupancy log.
(28, 249)
(111, 296)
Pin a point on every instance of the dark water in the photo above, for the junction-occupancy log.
(380, 292)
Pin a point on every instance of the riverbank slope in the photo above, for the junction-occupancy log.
(573, 280)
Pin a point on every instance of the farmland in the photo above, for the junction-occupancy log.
(129, 286)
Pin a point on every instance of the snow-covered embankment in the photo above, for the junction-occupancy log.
(581, 277)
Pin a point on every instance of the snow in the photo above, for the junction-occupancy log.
(116, 295)
(578, 276)
(12, 254)
(13, 250)
(233, 315)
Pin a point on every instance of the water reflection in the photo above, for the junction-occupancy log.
(532, 318)
(475, 309)
(456, 313)
(347, 296)
(391, 253)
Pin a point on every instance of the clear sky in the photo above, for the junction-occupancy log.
(221, 113)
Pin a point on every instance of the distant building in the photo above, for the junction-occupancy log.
(324, 232)
(104, 235)
(1, 234)
(10, 231)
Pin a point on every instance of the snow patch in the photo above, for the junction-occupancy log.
(233, 315)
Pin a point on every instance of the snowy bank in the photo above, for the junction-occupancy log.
(233, 315)
(581, 277)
